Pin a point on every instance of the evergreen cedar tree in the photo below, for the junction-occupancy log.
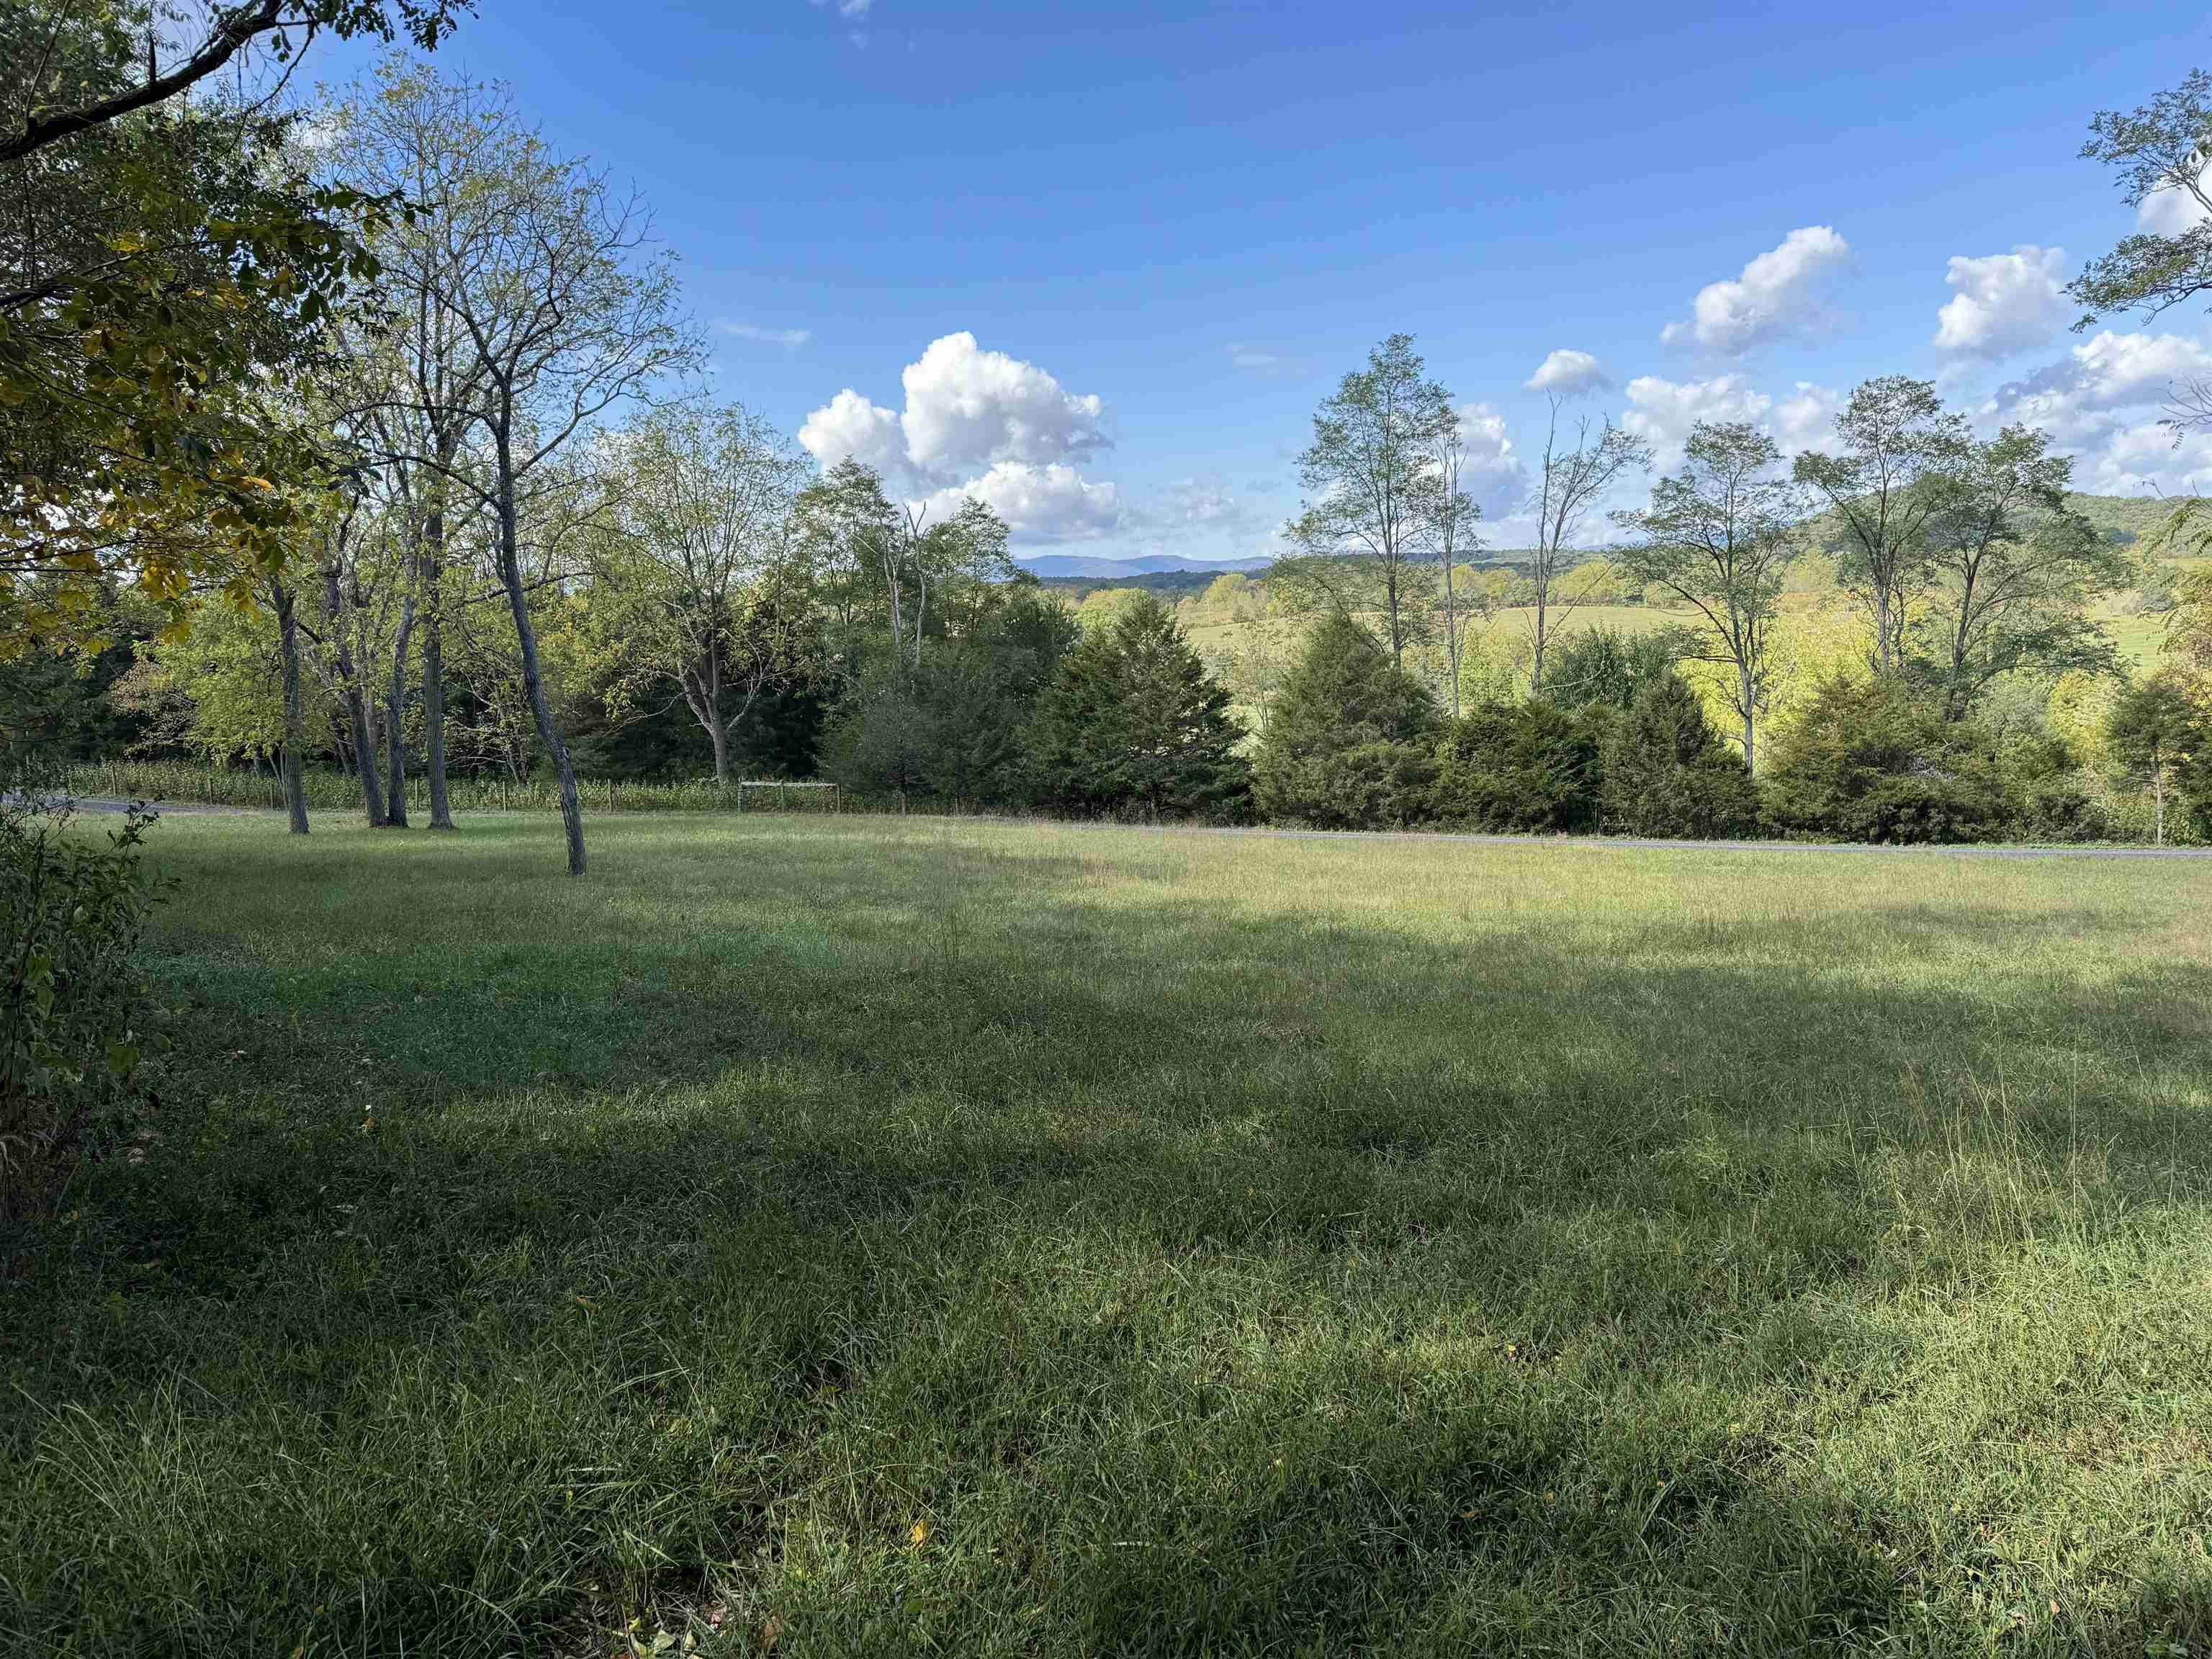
(1871, 760)
(1351, 741)
(1133, 723)
(1667, 772)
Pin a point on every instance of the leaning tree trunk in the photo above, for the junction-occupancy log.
(395, 728)
(364, 745)
(287, 636)
(533, 685)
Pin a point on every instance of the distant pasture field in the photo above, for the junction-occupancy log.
(908, 1236)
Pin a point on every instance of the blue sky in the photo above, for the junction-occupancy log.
(1169, 228)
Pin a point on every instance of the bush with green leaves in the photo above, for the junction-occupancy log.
(1133, 725)
(1351, 740)
(1603, 664)
(76, 1033)
(1875, 761)
(2159, 730)
(1667, 772)
(954, 725)
(1530, 766)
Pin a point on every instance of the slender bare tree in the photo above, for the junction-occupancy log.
(562, 312)
(1577, 473)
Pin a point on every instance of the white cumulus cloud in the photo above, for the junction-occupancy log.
(1052, 502)
(1778, 293)
(2170, 211)
(1567, 372)
(1662, 412)
(1493, 472)
(967, 408)
(2005, 302)
(2074, 399)
(1806, 419)
(982, 424)
(848, 424)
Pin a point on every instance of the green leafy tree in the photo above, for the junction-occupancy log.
(2156, 151)
(164, 263)
(696, 578)
(1132, 722)
(2016, 568)
(1531, 766)
(1901, 455)
(1576, 470)
(2156, 728)
(1603, 667)
(1373, 499)
(1350, 742)
(1717, 537)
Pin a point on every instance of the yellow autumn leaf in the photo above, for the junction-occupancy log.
(919, 1535)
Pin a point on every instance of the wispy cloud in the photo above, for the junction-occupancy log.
(847, 7)
(789, 339)
(1254, 360)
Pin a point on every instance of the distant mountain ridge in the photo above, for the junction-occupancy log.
(1152, 564)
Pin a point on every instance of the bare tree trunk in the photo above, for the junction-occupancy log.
(287, 636)
(1743, 683)
(434, 645)
(533, 685)
(2158, 799)
(395, 733)
(1536, 669)
(364, 745)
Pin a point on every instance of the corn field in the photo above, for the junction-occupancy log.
(335, 791)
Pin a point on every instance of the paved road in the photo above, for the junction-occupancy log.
(1602, 844)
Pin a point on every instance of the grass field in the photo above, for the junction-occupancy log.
(902, 1237)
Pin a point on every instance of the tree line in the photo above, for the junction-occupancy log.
(420, 476)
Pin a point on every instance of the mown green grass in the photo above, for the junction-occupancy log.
(900, 1236)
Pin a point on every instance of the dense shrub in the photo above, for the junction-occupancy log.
(1604, 665)
(1351, 740)
(76, 1030)
(1531, 766)
(1667, 772)
(1132, 723)
(955, 726)
(1876, 760)
(2065, 809)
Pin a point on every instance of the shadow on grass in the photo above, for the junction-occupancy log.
(1192, 1276)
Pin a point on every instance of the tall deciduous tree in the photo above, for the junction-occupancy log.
(1901, 454)
(1452, 538)
(2016, 568)
(1718, 536)
(699, 561)
(1370, 477)
(1578, 472)
(545, 270)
